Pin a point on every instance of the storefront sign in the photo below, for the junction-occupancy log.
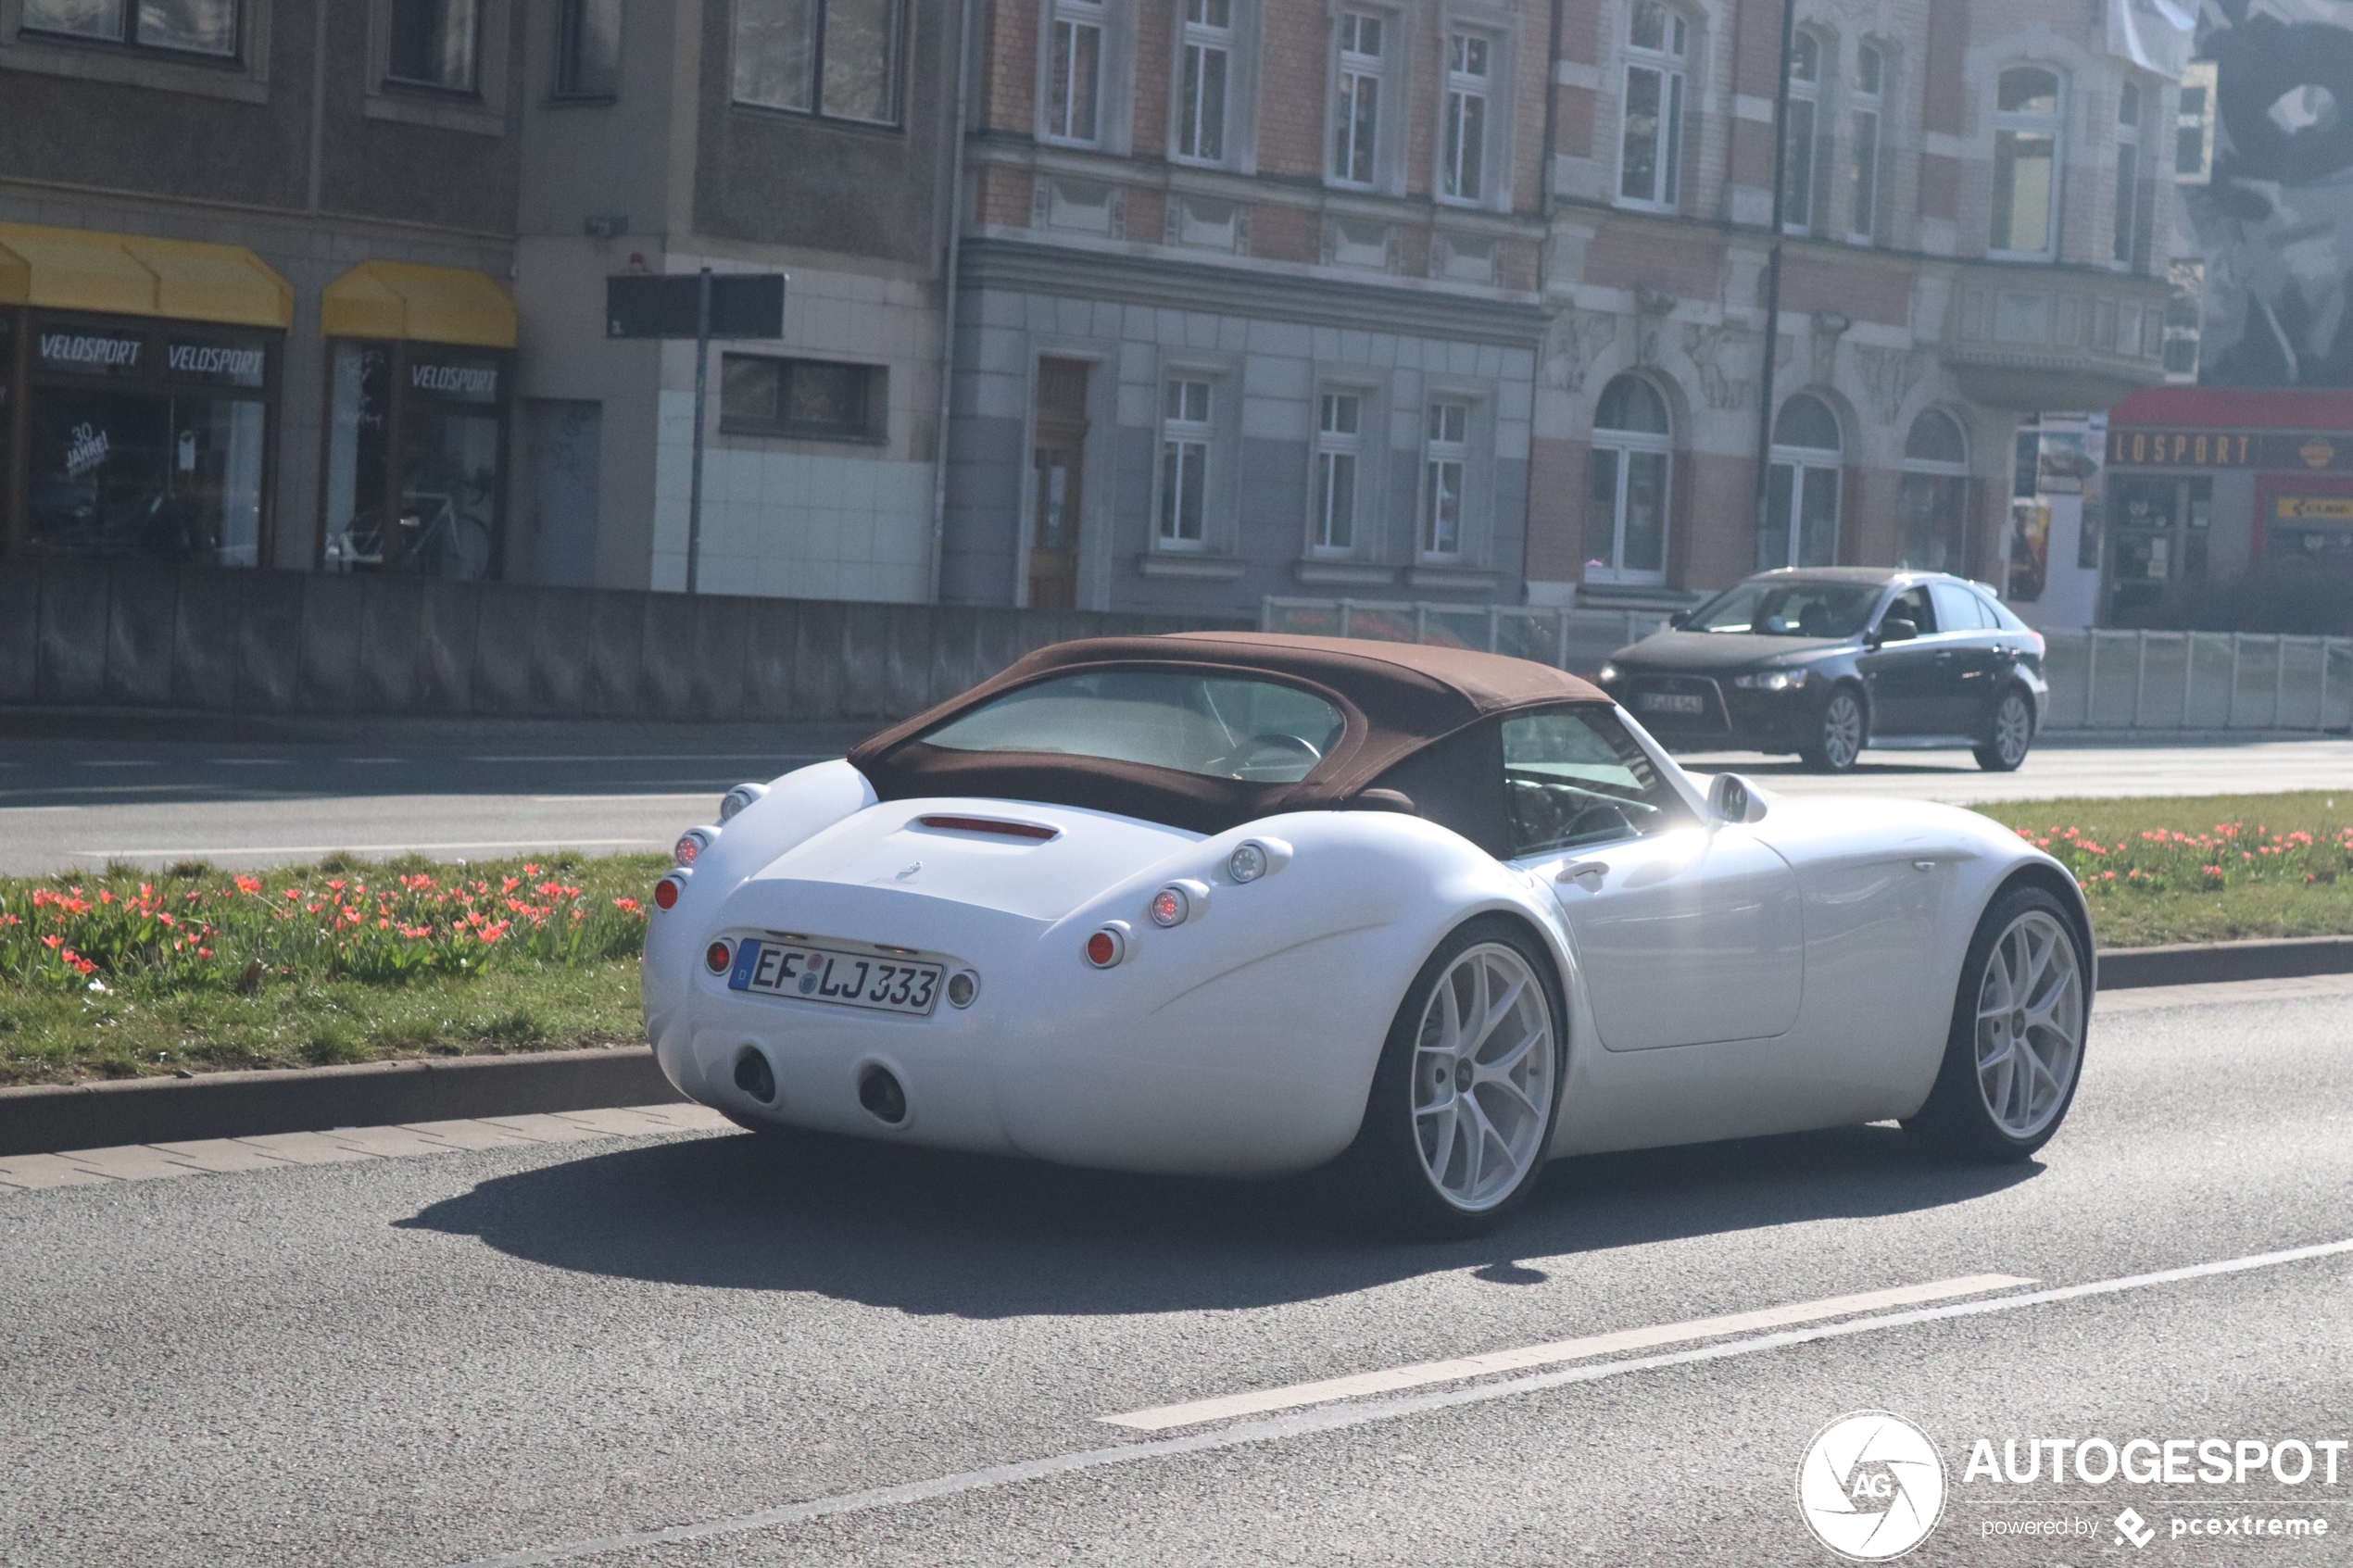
(220, 364)
(2228, 449)
(89, 353)
(462, 381)
(2325, 510)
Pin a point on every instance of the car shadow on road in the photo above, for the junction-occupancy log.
(934, 1233)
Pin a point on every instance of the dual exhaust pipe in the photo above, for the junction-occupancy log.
(879, 1090)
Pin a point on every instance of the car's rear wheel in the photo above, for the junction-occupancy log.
(2006, 746)
(1463, 1102)
(1838, 735)
(2014, 1051)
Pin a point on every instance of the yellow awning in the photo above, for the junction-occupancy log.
(401, 300)
(137, 275)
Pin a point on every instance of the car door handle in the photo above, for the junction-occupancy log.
(1582, 870)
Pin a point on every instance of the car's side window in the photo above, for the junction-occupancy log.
(1957, 609)
(1573, 776)
(1911, 604)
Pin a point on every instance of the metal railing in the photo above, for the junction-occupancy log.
(2156, 681)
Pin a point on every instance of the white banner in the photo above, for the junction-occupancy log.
(2153, 34)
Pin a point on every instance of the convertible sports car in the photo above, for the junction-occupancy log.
(1243, 904)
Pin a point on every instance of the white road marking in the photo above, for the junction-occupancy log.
(668, 794)
(674, 756)
(2141, 998)
(250, 761)
(118, 763)
(531, 844)
(1336, 1417)
(1422, 1374)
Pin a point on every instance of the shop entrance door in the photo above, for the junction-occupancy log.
(1059, 461)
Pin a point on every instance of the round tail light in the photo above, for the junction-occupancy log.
(1106, 948)
(666, 893)
(1171, 906)
(718, 957)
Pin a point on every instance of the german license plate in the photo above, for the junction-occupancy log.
(1671, 702)
(883, 982)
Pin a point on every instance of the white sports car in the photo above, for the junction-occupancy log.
(1243, 904)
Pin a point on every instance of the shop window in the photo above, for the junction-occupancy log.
(2027, 159)
(2158, 526)
(183, 27)
(144, 440)
(1650, 152)
(416, 453)
(1626, 484)
(589, 50)
(836, 58)
(1802, 487)
(1933, 498)
(815, 399)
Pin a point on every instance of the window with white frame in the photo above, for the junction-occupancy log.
(1075, 73)
(2192, 152)
(1650, 147)
(1184, 462)
(1356, 105)
(1625, 481)
(1462, 174)
(1805, 104)
(1338, 443)
(1445, 464)
(1205, 69)
(2028, 126)
(2128, 172)
(1870, 84)
(1933, 498)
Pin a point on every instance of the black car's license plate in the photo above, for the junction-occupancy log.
(883, 982)
(1670, 702)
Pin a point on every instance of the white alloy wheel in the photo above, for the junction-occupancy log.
(1482, 1077)
(2030, 1025)
(2013, 732)
(1841, 738)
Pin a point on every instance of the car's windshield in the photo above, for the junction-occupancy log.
(1788, 607)
(1258, 731)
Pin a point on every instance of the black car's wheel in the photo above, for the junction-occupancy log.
(1839, 734)
(1463, 1100)
(2006, 745)
(2014, 1051)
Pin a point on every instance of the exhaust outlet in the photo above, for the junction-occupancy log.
(754, 1076)
(881, 1093)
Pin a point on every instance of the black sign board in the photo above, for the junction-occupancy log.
(742, 305)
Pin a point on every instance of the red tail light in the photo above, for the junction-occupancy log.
(1106, 948)
(718, 957)
(666, 893)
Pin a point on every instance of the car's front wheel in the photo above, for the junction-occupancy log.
(1837, 739)
(2004, 747)
(1463, 1102)
(2015, 1050)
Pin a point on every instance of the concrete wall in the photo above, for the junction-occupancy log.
(128, 633)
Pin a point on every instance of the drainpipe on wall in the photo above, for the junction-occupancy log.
(947, 305)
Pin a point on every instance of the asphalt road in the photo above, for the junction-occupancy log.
(638, 1353)
(80, 799)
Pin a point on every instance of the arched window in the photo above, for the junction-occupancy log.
(1934, 500)
(1805, 101)
(2028, 120)
(1626, 484)
(1801, 501)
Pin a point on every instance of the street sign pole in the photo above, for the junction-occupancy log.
(702, 378)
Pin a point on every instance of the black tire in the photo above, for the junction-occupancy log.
(1840, 731)
(1387, 1174)
(1958, 1118)
(2010, 735)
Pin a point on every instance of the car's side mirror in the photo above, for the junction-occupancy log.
(1895, 629)
(1732, 798)
(1675, 622)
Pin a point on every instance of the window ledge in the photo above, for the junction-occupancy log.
(1343, 574)
(803, 432)
(427, 108)
(1459, 579)
(244, 81)
(1189, 567)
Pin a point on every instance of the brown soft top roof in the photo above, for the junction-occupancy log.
(1398, 698)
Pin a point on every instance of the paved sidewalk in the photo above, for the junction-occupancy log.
(140, 1162)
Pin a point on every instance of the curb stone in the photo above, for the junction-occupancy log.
(43, 1119)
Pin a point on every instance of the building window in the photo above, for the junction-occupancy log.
(435, 43)
(2128, 170)
(1204, 71)
(416, 454)
(186, 26)
(1183, 463)
(2190, 140)
(1934, 500)
(1338, 446)
(589, 49)
(1870, 81)
(1801, 512)
(1463, 176)
(1804, 99)
(814, 399)
(1445, 457)
(1625, 481)
(1650, 143)
(2184, 318)
(1075, 73)
(836, 58)
(2026, 162)
(1356, 115)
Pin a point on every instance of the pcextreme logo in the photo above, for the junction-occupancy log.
(1871, 1486)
